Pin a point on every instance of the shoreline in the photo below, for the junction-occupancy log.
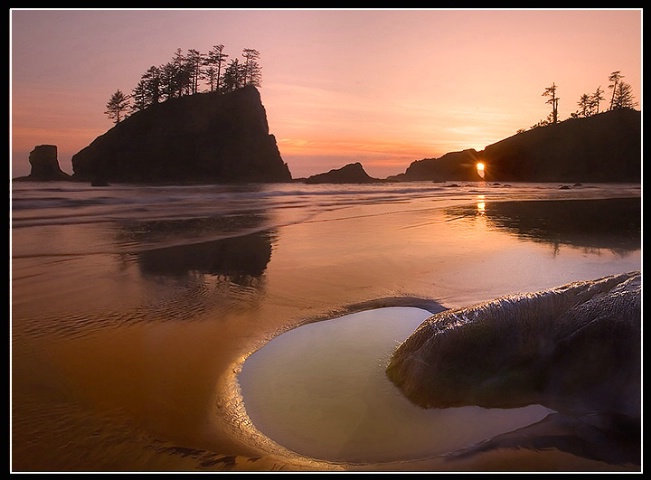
(159, 349)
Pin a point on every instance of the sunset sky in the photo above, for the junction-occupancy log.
(382, 87)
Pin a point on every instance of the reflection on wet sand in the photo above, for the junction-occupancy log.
(132, 313)
(216, 245)
(238, 258)
(164, 230)
(613, 224)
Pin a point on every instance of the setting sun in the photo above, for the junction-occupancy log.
(480, 169)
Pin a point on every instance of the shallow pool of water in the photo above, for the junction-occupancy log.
(321, 391)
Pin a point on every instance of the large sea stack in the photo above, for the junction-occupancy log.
(206, 138)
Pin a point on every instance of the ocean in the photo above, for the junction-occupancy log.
(134, 308)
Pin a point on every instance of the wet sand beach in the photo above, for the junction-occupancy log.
(134, 309)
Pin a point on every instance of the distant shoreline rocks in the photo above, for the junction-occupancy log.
(212, 138)
(351, 173)
(602, 148)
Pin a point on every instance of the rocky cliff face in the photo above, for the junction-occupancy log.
(575, 348)
(203, 138)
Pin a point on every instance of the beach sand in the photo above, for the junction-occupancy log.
(129, 329)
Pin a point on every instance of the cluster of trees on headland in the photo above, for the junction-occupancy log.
(590, 103)
(186, 74)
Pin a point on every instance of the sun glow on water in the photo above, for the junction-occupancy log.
(481, 204)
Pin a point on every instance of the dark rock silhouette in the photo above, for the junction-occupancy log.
(458, 166)
(206, 138)
(575, 348)
(45, 165)
(99, 182)
(602, 148)
(351, 173)
(212, 138)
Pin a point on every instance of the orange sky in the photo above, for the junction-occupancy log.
(382, 87)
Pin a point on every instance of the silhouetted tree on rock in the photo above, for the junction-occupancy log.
(614, 77)
(117, 105)
(551, 92)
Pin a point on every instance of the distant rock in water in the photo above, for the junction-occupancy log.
(351, 173)
(99, 182)
(203, 138)
(45, 165)
(575, 348)
(602, 148)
